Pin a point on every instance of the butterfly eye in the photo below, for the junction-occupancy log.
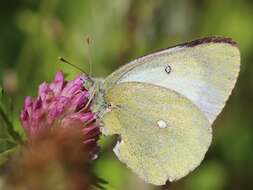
(168, 69)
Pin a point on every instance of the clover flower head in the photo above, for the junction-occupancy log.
(61, 104)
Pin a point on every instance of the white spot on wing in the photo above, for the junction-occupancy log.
(116, 148)
(162, 124)
(94, 157)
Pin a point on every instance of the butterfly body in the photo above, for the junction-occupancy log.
(163, 105)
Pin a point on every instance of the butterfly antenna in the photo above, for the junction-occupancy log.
(88, 42)
(72, 65)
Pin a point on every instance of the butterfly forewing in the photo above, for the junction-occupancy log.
(204, 71)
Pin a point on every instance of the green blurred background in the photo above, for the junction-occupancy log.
(34, 33)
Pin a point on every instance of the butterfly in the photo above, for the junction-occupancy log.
(163, 106)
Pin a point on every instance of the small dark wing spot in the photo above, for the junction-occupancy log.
(168, 69)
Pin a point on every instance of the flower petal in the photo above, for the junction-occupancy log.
(58, 83)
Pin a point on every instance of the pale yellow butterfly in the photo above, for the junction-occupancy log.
(163, 105)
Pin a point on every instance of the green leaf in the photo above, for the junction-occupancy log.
(7, 148)
(6, 110)
(6, 144)
(9, 138)
(4, 156)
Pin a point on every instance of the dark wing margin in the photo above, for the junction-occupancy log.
(213, 39)
(194, 43)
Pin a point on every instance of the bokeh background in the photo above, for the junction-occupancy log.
(34, 33)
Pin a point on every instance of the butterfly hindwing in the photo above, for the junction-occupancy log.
(163, 135)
